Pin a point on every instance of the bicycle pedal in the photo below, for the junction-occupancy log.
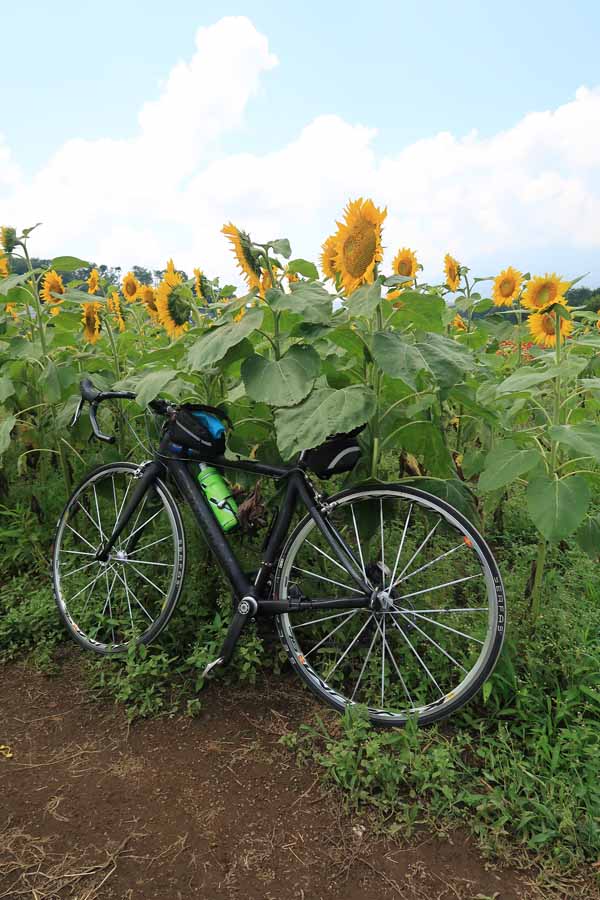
(212, 665)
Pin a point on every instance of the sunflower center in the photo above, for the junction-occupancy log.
(548, 324)
(179, 307)
(130, 289)
(404, 268)
(546, 294)
(507, 286)
(359, 251)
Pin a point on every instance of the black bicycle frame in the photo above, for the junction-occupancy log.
(252, 596)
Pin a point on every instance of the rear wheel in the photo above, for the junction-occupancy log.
(435, 623)
(130, 597)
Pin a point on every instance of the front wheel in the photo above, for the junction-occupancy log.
(434, 626)
(129, 598)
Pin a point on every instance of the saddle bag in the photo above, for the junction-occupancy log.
(339, 453)
(199, 429)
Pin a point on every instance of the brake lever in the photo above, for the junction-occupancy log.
(107, 438)
(76, 414)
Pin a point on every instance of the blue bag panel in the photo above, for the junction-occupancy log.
(212, 423)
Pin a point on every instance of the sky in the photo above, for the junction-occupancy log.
(133, 131)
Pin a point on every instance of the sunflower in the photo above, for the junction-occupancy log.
(597, 322)
(542, 291)
(93, 281)
(405, 263)
(114, 305)
(198, 284)
(358, 243)
(4, 267)
(8, 238)
(130, 287)
(173, 303)
(452, 270)
(329, 257)
(542, 326)
(267, 281)
(242, 248)
(459, 323)
(147, 295)
(292, 277)
(90, 320)
(506, 287)
(53, 284)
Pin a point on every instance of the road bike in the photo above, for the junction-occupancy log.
(383, 595)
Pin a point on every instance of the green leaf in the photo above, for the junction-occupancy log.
(303, 267)
(588, 536)
(424, 312)
(426, 440)
(152, 384)
(453, 491)
(283, 382)
(473, 462)
(282, 247)
(398, 357)
(214, 344)
(584, 438)
(51, 383)
(528, 377)
(6, 426)
(7, 388)
(447, 359)
(323, 413)
(307, 299)
(505, 463)
(557, 507)
(11, 281)
(364, 301)
(68, 264)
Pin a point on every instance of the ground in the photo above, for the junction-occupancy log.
(207, 807)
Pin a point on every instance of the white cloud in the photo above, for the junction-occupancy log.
(529, 195)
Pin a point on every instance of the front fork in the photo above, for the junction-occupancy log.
(146, 474)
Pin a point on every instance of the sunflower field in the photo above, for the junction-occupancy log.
(476, 387)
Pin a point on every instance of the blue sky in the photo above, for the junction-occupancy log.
(83, 71)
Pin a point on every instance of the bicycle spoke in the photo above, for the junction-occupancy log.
(92, 520)
(437, 559)
(459, 609)
(110, 614)
(410, 612)
(147, 562)
(139, 603)
(330, 580)
(80, 569)
(124, 580)
(141, 574)
(438, 587)
(383, 662)
(95, 578)
(382, 543)
(317, 621)
(78, 552)
(364, 666)
(89, 596)
(348, 648)
(331, 633)
(144, 524)
(395, 664)
(137, 518)
(85, 541)
(326, 555)
(362, 562)
(416, 653)
(402, 539)
(435, 643)
(98, 513)
(168, 537)
(416, 553)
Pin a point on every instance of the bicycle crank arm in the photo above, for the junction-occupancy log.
(246, 609)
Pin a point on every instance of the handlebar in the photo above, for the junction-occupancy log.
(94, 397)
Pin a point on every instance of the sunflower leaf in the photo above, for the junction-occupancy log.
(447, 359)
(12, 281)
(364, 300)
(424, 312)
(68, 264)
(324, 412)
(152, 384)
(6, 426)
(526, 377)
(303, 267)
(282, 247)
(557, 506)
(281, 382)
(505, 463)
(584, 438)
(398, 358)
(214, 343)
(309, 300)
(588, 536)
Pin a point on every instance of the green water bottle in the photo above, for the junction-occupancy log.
(218, 494)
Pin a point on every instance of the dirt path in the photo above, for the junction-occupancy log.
(184, 808)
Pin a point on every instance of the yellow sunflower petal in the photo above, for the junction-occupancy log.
(90, 319)
(543, 326)
(358, 243)
(242, 249)
(93, 281)
(543, 290)
(130, 287)
(405, 263)
(172, 306)
(506, 287)
(4, 267)
(452, 271)
(329, 257)
(52, 284)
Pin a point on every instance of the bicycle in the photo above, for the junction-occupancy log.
(383, 595)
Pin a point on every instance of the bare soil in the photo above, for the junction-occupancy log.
(211, 807)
